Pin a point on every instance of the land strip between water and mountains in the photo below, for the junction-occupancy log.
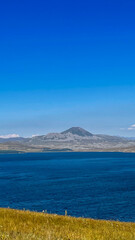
(74, 139)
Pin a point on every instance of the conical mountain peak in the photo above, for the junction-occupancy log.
(78, 131)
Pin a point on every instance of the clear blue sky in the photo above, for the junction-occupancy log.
(67, 63)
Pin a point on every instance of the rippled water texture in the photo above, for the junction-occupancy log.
(95, 185)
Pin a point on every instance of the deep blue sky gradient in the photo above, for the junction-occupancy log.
(67, 63)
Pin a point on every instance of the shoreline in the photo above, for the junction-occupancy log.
(92, 151)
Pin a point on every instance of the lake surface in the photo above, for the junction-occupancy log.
(95, 185)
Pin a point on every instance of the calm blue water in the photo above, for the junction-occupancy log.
(96, 185)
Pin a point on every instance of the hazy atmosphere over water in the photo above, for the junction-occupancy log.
(67, 64)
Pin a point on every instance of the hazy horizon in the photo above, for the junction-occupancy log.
(14, 135)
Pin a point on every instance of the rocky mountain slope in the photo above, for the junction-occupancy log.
(78, 139)
(73, 139)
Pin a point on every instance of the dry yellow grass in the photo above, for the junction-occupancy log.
(26, 225)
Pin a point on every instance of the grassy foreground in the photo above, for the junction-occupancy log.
(16, 225)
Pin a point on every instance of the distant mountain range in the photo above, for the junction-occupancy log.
(73, 139)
